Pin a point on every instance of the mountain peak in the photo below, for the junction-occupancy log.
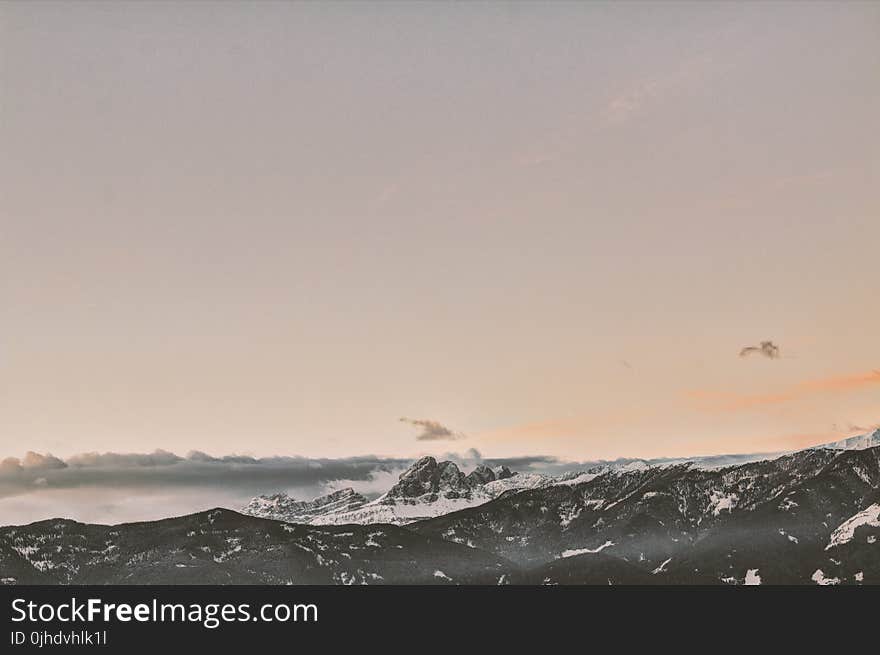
(427, 476)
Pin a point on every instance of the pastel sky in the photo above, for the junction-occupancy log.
(548, 228)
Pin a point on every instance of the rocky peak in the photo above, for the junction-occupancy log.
(282, 507)
(427, 476)
(481, 475)
(502, 472)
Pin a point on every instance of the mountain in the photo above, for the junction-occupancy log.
(427, 488)
(859, 442)
(770, 521)
(810, 517)
(223, 547)
(282, 507)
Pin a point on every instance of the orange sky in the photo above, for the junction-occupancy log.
(279, 228)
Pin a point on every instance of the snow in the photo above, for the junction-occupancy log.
(662, 567)
(517, 482)
(580, 478)
(583, 551)
(787, 505)
(752, 577)
(719, 501)
(567, 514)
(637, 465)
(859, 442)
(820, 579)
(870, 516)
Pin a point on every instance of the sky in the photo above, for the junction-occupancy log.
(333, 230)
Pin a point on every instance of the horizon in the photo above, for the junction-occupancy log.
(161, 484)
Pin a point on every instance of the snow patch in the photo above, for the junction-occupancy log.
(870, 516)
(661, 568)
(752, 577)
(820, 579)
(583, 551)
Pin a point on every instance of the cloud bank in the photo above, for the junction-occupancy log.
(120, 487)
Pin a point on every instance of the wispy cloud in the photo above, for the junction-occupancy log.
(432, 430)
(633, 100)
(726, 401)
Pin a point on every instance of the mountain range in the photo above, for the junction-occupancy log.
(807, 517)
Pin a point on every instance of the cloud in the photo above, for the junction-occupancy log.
(432, 430)
(632, 101)
(719, 400)
(161, 469)
(30, 462)
(767, 348)
(120, 487)
(124, 460)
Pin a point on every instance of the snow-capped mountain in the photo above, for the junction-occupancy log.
(778, 521)
(859, 442)
(282, 507)
(427, 488)
(812, 517)
(809, 517)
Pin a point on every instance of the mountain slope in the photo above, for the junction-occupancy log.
(685, 525)
(224, 547)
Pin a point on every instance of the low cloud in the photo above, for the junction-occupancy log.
(767, 349)
(432, 430)
(121, 487)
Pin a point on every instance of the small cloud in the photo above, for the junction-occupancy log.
(767, 348)
(432, 430)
